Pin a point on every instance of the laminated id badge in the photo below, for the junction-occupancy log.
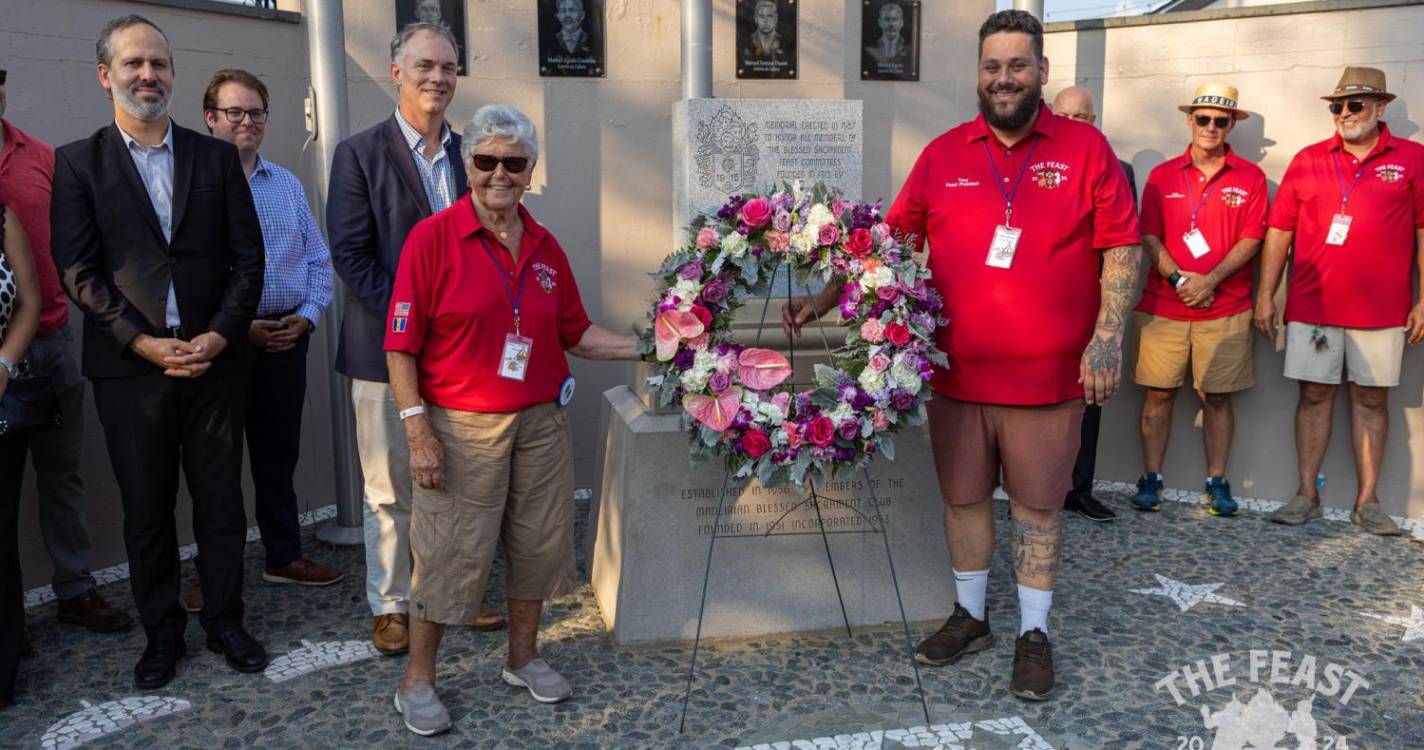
(1339, 230)
(514, 362)
(1196, 243)
(1003, 247)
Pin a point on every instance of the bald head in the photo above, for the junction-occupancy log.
(1075, 102)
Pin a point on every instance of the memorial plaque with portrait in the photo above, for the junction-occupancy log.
(890, 40)
(766, 38)
(451, 13)
(571, 38)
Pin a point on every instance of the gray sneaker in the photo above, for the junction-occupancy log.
(1372, 518)
(546, 685)
(422, 710)
(1296, 512)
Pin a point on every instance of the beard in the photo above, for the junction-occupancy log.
(1356, 130)
(147, 111)
(1021, 113)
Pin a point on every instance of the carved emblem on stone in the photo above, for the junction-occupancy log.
(727, 152)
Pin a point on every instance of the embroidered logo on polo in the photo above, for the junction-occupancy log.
(548, 277)
(1049, 175)
(1234, 196)
(960, 182)
(1390, 172)
(399, 317)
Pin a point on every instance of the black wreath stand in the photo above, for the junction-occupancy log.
(814, 499)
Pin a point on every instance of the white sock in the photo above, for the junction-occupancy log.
(970, 588)
(1033, 609)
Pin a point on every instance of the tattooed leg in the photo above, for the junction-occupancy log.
(1036, 538)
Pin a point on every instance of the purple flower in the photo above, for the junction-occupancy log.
(849, 429)
(845, 454)
(719, 381)
(782, 220)
(684, 358)
(691, 271)
(716, 291)
(862, 400)
(902, 400)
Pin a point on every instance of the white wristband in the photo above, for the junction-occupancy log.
(412, 411)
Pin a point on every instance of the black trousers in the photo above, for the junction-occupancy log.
(1087, 461)
(12, 594)
(277, 391)
(152, 425)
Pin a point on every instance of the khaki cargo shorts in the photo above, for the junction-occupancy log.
(1218, 352)
(1366, 356)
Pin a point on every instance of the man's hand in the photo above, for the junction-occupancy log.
(1198, 290)
(1100, 370)
(1415, 326)
(798, 311)
(259, 333)
(289, 330)
(427, 457)
(1265, 317)
(158, 351)
(196, 356)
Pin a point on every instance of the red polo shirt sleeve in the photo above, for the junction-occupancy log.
(1152, 222)
(1285, 211)
(1258, 205)
(909, 213)
(1114, 210)
(413, 293)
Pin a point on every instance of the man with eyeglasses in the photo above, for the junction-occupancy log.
(296, 288)
(1353, 206)
(1203, 218)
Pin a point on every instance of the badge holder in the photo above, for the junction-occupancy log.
(1196, 243)
(1339, 229)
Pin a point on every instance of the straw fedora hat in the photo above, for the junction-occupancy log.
(1360, 82)
(1216, 96)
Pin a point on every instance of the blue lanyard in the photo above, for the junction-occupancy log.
(1340, 174)
(514, 296)
(999, 179)
(1206, 194)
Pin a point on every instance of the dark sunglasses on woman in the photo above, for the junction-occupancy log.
(488, 163)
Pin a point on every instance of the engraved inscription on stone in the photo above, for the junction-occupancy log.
(727, 153)
(752, 509)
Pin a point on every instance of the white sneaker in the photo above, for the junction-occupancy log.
(546, 685)
(422, 711)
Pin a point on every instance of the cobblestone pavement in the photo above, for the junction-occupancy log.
(1139, 601)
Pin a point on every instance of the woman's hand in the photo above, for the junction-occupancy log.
(427, 457)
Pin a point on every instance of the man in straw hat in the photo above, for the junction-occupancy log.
(1354, 206)
(1203, 218)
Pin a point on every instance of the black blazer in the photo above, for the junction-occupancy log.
(116, 265)
(375, 198)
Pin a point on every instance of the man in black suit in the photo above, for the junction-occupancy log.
(384, 180)
(1076, 102)
(157, 241)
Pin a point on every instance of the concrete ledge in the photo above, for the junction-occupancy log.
(231, 9)
(1191, 16)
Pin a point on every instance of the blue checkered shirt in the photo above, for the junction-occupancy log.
(299, 272)
(436, 174)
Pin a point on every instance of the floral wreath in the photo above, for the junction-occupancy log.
(734, 402)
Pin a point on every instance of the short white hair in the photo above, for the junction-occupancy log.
(503, 122)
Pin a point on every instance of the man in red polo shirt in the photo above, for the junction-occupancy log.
(1354, 207)
(1018, 207)
(26, 174)
(1203, 217)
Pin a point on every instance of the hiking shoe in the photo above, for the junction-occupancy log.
(1087, 506)
(1218, 497)
(961, 634)
(422, 711)
(1296, 512)
(1372, 518)
(546, 685)
(1033, 667)
(1149, 493)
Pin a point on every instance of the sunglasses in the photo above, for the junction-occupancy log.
(512, 164)
(1355, 106)
(234, 115)
(1221, 122)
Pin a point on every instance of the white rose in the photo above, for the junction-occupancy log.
(803, 242)
(819, 215)
(871, 381)
(686, 290)
(882, 276)
(734, 245)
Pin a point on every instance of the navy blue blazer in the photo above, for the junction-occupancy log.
(376, 197)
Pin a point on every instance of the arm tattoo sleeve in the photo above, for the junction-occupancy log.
(1122, 277)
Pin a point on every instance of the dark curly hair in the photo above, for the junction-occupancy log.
(1019, 21)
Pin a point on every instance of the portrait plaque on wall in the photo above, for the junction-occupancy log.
(766, 38)
(451, 13)
(890, 40)
(571, 38)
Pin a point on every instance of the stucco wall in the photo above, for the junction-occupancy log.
(1140, 72)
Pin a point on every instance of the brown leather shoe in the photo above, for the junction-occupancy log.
(488, 619)
(961, 634)
(391, 633)
(1033, 667)
(303, 572)
(193, 602)
(90, 610)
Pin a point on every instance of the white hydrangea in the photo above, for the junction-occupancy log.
(769, 413)
(882, 276)
(686, 290)
(819, 215)
(695, 379)
(906, 378)
(841, 413)
(734, 245)
(871, 380)
(804, 241)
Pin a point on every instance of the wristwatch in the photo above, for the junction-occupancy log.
(1176, 279)
(12, 369)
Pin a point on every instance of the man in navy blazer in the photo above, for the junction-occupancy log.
(383, 181)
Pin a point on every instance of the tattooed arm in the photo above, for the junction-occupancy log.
(1101, 369)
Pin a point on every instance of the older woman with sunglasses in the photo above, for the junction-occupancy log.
(483, 310)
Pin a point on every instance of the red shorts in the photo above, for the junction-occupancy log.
(1034, 446)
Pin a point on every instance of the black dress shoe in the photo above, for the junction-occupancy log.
(1089, 507)
(159, 663)
(242, 651)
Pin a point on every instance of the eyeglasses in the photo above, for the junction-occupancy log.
(1221, 122)
(1355, 106)
(488, 163)
(2, 77)
(234, 115)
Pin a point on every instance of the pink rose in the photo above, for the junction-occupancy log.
(757, 213)
(755, 443)
(873, 331)
(898, 334)
(859, 243)
(719, 382)
(880, 421)
(887, 293)
(699, 343)
(879, 362)
(707, 238)
(881, 232)
(781, 400)
(828, 234)
(690, 271)
(779, 241)
(821, 432)
(793, 435)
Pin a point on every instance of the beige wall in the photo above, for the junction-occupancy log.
(1281, 64)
